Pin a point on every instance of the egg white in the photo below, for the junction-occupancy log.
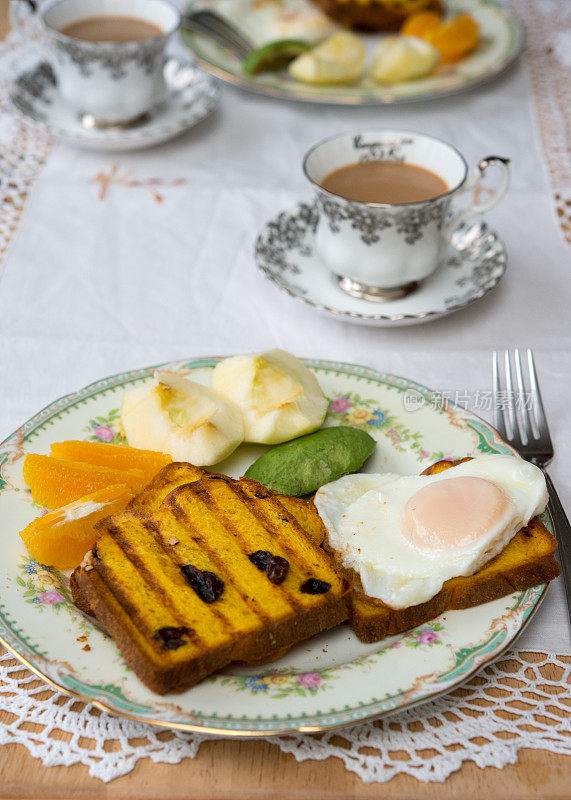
(265, 21)
(363, 515)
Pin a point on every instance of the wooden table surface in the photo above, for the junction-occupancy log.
(247, 770)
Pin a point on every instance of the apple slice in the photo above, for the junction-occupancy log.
(177, 416)
(279, 397)
(337, 60)
(403, 58)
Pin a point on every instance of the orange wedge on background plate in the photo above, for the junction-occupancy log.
(420, 24)
(455, 39)
(62, 537)
(55, 482)
(115, 456)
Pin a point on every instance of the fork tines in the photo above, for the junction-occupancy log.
(211, 23)
(519, 416)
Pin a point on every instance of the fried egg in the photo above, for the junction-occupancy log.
(406, 535)
(265, 21)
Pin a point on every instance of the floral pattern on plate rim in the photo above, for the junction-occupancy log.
(352, 409)
(46, 587)
(106, 429)
(283, 683)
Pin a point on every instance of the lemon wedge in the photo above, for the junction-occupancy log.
(337, 60)
(403, 58)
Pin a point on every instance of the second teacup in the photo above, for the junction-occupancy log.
(112, 78)
(381, 250)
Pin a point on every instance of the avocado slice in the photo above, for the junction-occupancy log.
(274, 56)
(305, 464)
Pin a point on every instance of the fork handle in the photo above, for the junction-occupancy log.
(563, 534)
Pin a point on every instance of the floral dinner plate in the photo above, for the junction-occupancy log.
(333, 679)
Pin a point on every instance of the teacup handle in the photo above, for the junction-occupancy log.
(21, 11)
(25, 22)
(477, 176)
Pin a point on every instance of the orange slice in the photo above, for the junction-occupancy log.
(116, 456)
(61, 538)
(455, 39)
(55, 482)
(420, 24)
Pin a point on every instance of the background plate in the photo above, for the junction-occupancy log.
(331, 680)
(501, 43)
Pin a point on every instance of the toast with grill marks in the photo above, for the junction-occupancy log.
(149, 500)
(179, 594)
(375, 15)
(168, 478)
(179, 473)
(527, 560)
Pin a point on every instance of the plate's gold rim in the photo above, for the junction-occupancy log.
(248, 734)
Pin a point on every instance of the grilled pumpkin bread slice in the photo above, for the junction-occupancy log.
(179, 473)
(526, 561)
(222, 571)
(375, 15)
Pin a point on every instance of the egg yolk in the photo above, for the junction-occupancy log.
(454, 512)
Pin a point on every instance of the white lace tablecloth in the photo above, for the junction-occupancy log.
(474, 723)
(109, 262)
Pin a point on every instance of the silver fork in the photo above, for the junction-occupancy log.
(519, 418)
(211, 24)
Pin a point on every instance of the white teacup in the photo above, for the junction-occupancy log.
(108, 83)
(379, 251)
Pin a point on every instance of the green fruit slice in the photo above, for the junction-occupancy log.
(274, 56)
(303, 465)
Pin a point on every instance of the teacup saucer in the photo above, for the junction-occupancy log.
(191, 95)
(285, 253)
